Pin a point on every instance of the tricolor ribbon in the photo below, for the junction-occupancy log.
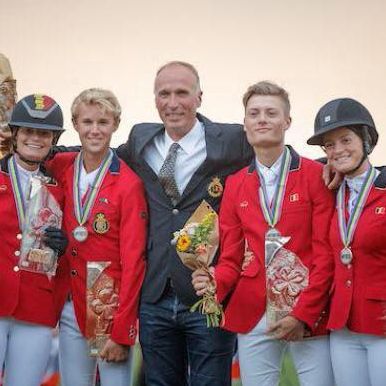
(272, 212)
(347, 229)
(82, 210)
(17, 191)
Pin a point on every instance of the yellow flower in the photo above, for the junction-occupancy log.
(183, 243)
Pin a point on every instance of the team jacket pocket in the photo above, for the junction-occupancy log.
(376, 293)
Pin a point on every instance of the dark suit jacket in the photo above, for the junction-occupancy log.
(227, 152)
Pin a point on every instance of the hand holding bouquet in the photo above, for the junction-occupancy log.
(196, 245)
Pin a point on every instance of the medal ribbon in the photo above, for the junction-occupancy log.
(347, 229)
(17, 191)
(82, 211)
(272, 213)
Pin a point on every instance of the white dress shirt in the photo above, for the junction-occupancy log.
(25, 181)
(270, 175)
(190, 156)
(355, 185)
(86, 179)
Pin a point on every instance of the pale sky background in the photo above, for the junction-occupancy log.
(317, 49)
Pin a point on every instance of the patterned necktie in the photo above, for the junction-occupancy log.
(166, 174)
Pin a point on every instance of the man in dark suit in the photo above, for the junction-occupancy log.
(178, 348)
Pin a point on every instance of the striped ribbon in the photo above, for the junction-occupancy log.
(17, 191)
(82, 211)
(347, 229)
(272, 212)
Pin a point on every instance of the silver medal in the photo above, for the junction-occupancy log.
(80, 233)
(273, 242)
(346, 256)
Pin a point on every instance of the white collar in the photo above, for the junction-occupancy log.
(26, 172)
(189, 141)
(355, 183)
(275, 168)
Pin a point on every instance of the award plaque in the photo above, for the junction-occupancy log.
(286, 277)
(102, 302)
(43, 211)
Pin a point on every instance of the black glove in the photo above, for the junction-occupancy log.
(56, 239)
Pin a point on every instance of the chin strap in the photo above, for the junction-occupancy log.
(365, 137)
(28, 161)
(364, 158)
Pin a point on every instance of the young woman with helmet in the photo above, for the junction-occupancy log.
(346, 131)
(30, 302)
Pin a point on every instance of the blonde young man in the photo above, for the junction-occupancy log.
(106, 218)
(279, 200)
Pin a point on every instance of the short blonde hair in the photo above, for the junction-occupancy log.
(97, 96)
(267, 88)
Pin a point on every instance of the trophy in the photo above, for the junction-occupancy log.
(43, 211)
(102, 303)
(8, 98)
(286, 277)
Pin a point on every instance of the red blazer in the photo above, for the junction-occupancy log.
(359, 289)
(306, 215)
(121, 200)
(26, 296)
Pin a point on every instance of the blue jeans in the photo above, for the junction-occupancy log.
(179, 349)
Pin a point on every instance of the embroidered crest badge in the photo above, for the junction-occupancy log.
(215, 187)
(100, 224)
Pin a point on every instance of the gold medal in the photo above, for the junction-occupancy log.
(100, 224)
(215, 187)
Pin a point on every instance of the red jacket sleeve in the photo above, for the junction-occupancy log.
(314, 299)
(232, 244)
(133, 230)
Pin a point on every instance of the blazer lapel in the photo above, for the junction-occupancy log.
(254, 182)
(214, 151)
(292, 176)
(146, 137)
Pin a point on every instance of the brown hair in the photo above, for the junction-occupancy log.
(267, 88)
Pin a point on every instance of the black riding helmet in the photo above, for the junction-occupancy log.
(344, 112)
(37, 111)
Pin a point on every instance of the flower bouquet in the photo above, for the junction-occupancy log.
(196, 244)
